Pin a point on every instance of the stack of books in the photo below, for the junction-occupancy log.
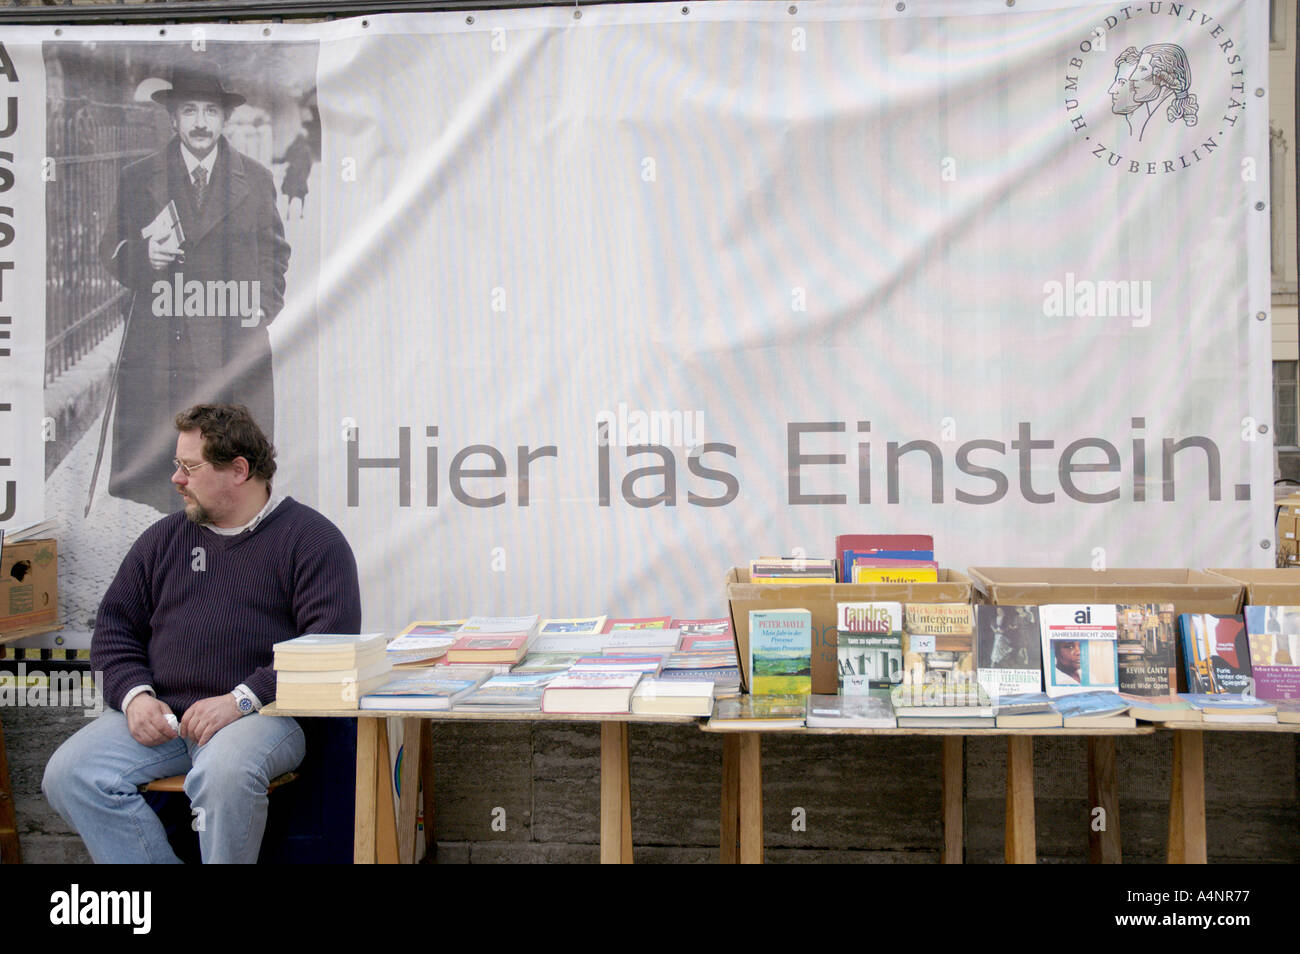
(325, 671)
(791, 570)
(886, 558)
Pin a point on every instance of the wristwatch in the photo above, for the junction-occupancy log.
(243, 699)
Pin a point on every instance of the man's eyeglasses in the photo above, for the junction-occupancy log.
(188, 468)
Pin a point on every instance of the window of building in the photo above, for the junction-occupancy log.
(1284, 403)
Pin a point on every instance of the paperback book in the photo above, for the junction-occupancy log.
(328, 651)
(768, 712)
(488, 648)
(714, 626)
(591, 625)
(895, 571)
(869, 646)
(1078, 642)
(1216, 654)
(672, 697)
(641, 622)
(939, 650)
(1231, 707)
(423, 643)
(507, 692)
(1146, 644)
(590, 692)
(780, 652)
(1094, 710)
(1010, 655)
(1274, 636)
(791, 570)
(425, 690)
(1029, 710)
(865, 710)
(1162, 709)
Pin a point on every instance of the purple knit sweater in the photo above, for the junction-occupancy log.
(194, 613)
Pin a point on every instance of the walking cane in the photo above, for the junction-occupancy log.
(108, 407)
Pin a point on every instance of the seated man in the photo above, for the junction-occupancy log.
(186, 631)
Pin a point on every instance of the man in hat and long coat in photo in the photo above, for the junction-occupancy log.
(197, 238)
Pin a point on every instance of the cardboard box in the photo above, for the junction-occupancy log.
(1277, 587)
(29, 588)
(820, 599)
(1288, 506)
(1286, 528)
(1191, 591)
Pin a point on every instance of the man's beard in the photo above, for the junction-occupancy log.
(195, 512)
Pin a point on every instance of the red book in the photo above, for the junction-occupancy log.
(883, 541)
(488, 648)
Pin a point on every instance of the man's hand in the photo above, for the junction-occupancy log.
(160, 255)
(208, 716)
(146, 717)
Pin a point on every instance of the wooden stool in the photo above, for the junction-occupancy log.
(176, 783)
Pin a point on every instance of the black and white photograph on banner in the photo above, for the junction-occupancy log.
(184, 243)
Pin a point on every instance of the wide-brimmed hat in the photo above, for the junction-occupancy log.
(188, 85)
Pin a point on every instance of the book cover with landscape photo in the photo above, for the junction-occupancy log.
(780, 651)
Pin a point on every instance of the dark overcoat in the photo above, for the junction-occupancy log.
(182, 350)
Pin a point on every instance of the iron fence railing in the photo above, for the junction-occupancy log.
(89, 143)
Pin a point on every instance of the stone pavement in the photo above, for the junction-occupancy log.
(90, 549)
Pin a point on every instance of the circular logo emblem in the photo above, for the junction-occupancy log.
(1155, 88)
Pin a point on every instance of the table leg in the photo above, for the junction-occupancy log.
(1187, 799)
(953, 833)
(615, 819)
(363, 842)
(10, 850)
(426, 789)
(1021, 846)
(625, 808)
(1103, 793)
(730, 798)
(408, 799)
(386, 818)
(750, 802)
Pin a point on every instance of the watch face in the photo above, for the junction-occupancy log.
(245, 705)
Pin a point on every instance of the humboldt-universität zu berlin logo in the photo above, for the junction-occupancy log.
(1155, 87)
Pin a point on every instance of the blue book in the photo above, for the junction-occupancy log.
(1090, 705)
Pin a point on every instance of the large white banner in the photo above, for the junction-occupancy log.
(582, 306)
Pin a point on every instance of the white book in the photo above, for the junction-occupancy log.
(673, 697)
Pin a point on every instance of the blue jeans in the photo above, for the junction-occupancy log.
(93, 781)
